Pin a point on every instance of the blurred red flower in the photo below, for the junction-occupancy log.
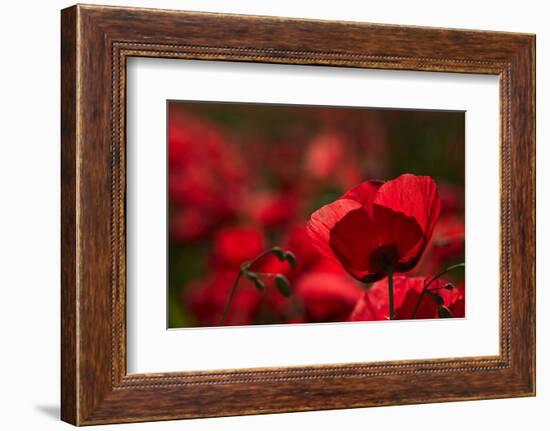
(446, 246)
(308, 258)
(330, 157)
(452, 198)
(373, 304)
(235, 245)
(206, 174)
(448, 239)
(206, 300)
(376, 225)
(327, 297)
(189, 224)
(273, 209)
(299, 243)
(324, 154)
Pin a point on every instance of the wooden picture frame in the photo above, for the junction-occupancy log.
(96, 41)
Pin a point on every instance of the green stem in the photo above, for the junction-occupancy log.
(262, 254)
(445, 271)
(390, 291)
(434, 278)
(230, 298)
(265, 274)
(418, 302)
(244, 268)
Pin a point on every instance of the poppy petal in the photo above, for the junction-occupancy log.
(417, 197)
(354, 240)
(374, 305)
(413, 196)
(411, 289)
(323, 220)
(364, 193)
(398, 231)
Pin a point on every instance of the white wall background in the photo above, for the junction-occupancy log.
(29, 215)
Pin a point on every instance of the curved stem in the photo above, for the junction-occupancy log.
(262, 254)
(434, 278)
(418, 302)
(230, 298)
(390, 291)
(264, 274)
(445, 271)
(245, 267)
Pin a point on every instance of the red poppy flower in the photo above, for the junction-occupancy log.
(378, 225)
(373, 304)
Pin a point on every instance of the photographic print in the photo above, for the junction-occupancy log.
(290, 214)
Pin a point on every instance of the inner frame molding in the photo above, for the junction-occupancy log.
(96, 42)
(124, 51)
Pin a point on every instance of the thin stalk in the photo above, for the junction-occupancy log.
(418, 302)
(244, 268)
(390, 292)
(434, 278)
(257, 258)
(230, 298)
(445, 271)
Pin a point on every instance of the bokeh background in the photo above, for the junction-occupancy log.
(244, 177)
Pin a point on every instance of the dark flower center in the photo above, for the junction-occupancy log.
(384, 256)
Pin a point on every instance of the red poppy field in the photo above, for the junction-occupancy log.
(284, 214)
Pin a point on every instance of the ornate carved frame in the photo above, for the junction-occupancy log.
(96, 41)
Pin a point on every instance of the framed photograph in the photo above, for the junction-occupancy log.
(266, 215)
